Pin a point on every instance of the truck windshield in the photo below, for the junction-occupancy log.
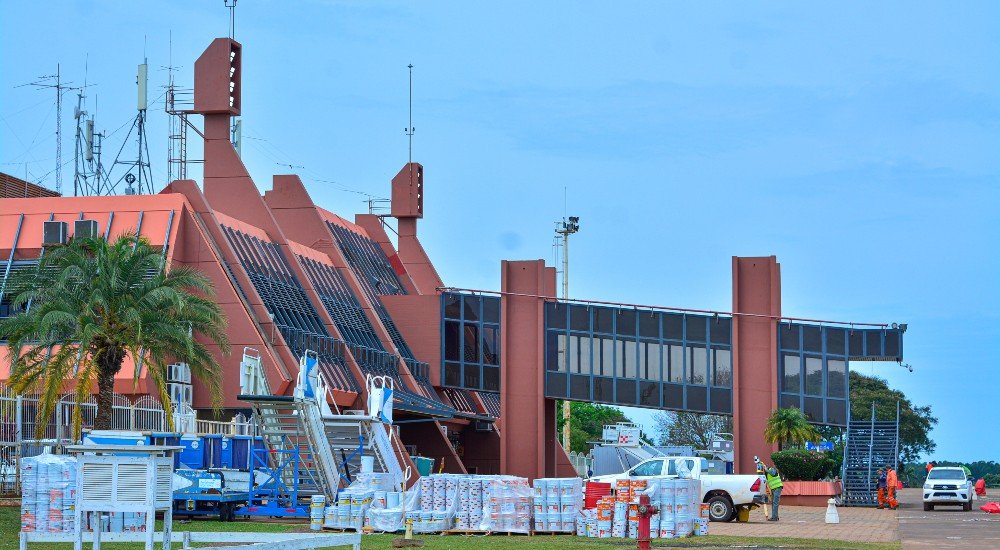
(946, 474)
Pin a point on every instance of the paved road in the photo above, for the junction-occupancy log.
(948, 526)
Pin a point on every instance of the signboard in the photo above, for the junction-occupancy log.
(621, 434)
(821, 446)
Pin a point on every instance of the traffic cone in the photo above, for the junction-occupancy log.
(831, 511)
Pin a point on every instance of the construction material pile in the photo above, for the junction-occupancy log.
(368, 491)
(556, 503)
(48, 489)
(678, 501)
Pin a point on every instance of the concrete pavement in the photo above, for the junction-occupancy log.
(947, 526)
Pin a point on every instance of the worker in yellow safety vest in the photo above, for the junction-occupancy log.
(774, 485)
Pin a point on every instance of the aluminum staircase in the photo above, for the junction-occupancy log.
(328, 446)
(871, 444)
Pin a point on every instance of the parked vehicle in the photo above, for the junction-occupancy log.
(725, 494)
(947, 485)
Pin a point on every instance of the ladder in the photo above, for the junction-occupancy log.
(353, 436)
(871, 444)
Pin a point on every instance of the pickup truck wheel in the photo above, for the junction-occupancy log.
(720, 508)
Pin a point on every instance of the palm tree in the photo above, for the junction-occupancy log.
(789, 425)
(90, 304)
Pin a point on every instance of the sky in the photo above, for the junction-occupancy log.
(857, 142)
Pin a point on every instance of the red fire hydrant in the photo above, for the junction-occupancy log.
(646, 511)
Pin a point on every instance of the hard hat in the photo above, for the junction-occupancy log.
(772, 472)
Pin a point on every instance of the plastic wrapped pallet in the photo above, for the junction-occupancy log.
(555, 503)
(48, 489)
(507, 502)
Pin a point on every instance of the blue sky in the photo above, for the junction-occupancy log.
(859, 143)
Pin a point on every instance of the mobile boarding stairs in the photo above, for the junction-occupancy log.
(311, 449)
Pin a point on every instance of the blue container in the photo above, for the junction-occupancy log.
(227, 452)
(239, 448)
(213, 450)
(193, 454)
(167, 439)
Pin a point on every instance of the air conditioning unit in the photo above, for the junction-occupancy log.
(179, 372)
(482, 426)
(85, 229)
(53, 233)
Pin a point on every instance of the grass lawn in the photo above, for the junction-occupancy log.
(10, 525)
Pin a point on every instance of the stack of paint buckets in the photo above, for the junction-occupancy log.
(680, 514)
(469, 515)
(555, 504)
(507, 502)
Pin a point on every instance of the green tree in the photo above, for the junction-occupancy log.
(587, 421)
(90, 304)
(691, 429)
(789, 426)
(915, 423)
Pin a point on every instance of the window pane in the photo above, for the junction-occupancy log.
(643, 365)
(452, 306)
(626, 322)
(789, 335)
(579, 387)
(629, 359)
(856, 343)
(812, 338)
(652, 361)
(695, 328)
(471, 375)
(579, 318)
(698, 360)
(555, 315)
(452, 340)
(723, 373)
(790, 379)
(836, 376)
(491, 309)
(676, 364)
(814, 376)
(873, 342)
(649, 324)
(573, 353)
(470, 305)
(452, 374)
(561, 352)
(471, 342)
(553, 357)
(649, 394)
(607, 356)
(813, 409)
(673, 324)
(491, 378)
(835, 338)
(603, 320)
(490, 355)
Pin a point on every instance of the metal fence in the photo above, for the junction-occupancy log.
(581, 462)
(19, 425)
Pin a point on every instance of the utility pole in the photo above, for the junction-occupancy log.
(565, 229)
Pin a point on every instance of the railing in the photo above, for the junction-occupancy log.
(239, 425)
(581, 462)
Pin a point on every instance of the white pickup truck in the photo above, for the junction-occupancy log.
(724, 493)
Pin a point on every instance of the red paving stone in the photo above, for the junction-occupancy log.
(856, 525)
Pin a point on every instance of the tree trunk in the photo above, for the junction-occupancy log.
(109, 362)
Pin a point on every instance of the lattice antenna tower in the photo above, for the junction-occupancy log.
(177, 103)
(236, 125)
(141, 181)
(55, 82)
(409, 130)
(88, 171)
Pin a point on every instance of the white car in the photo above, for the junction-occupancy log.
(724, 493)
(947, 485)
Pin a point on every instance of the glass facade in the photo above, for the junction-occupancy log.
(638, 357)
(470, 341)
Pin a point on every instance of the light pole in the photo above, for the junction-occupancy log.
(565, 229)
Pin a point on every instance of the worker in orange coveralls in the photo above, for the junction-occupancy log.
(881, 482)
(891, 483)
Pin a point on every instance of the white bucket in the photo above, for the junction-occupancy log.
(367, 464)
(392, 499)
(317, 506)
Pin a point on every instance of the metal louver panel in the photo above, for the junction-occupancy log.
(164, 478)
(96, 482)
(131, 483)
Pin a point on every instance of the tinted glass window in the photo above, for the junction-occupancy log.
(892, 343)
(673, 396)
(626, 322)
(721, 330)
(491, 309)
(629, 358)
(788, 400)
(812, 338)
(835, 339)
(452, 306)
(603, 320)
(452, 374)
(791, 372)
(470, 306)
(491, 378)
(649, 394)
(814, 376)
(649, 324)
(697, 398)
(676, 363)
(452, 340)
(789, 335)
(722, 375)
(625, 392)
(555, 384)
(471, 376)
(856, 339)
(490, 354)
(698, 358)
(836, 412)
(603, 389)
(579, 318)
(555, 315)
(470, 342)
(695, 328)
(836, 381)
(874, 343)
(579, 387)
(814, 409)
(673, 326)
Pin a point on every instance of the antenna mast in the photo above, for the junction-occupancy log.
(45, 82)
(565, 229)
(144, 179)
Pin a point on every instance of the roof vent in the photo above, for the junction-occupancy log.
(85, 229)
(53, 233)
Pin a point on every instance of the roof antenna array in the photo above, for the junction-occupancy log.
(231, 4)
(55, 82)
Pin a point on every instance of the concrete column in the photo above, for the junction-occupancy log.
(757, 291)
